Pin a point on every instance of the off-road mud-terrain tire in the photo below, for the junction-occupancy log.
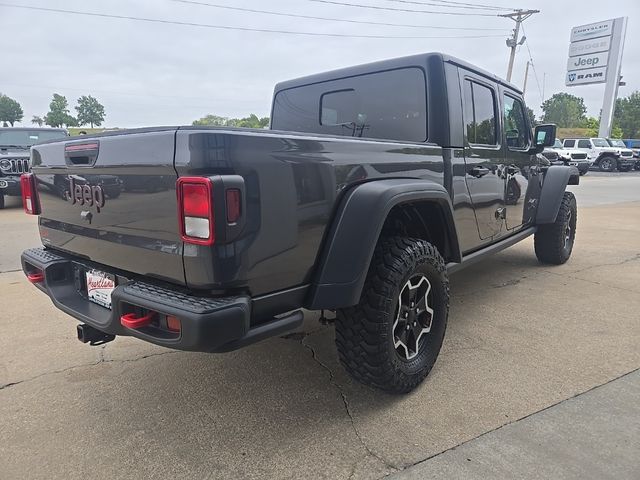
(1, 201)
(607, 163)
(365, 336)
(554, 241)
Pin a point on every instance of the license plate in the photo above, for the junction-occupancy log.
(4, 184)
(99, 287)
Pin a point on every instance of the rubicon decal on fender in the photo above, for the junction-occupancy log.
(89, 195)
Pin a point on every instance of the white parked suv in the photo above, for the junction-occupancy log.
(568, 156)
(626, 153)
(606, 157)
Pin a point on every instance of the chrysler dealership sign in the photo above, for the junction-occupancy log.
(593, 30)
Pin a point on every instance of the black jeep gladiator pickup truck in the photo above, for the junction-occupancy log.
(373, 183)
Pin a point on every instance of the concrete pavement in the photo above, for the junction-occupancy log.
(591, 436)
(522, 337)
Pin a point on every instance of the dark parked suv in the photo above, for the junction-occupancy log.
(373, 185)
(15, 143)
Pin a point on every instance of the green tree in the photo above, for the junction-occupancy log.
(565, 110)
(627, 115)
(58, 115)
(532, 117)
(211, 121)
(10, 110)
(616, 132)
(90, 111)
(593, 124)
(252, 121)
(36, 120)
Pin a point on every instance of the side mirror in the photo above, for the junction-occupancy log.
(544, 136)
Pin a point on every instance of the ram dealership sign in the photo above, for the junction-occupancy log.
(589, 53)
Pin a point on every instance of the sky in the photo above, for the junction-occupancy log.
(149, 73)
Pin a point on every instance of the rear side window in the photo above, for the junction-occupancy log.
(387, 105)
(584, 144)
(515, 124)
(480, 114)
(569, 143)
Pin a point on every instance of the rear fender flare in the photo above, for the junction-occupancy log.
(348, 247)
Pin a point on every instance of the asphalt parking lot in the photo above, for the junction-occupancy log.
(528, 347)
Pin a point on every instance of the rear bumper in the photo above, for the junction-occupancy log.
(10, 186)
(207, 324)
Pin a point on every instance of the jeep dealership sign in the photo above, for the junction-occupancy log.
(589, 52)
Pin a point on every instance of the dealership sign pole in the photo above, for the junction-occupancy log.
(595, 56)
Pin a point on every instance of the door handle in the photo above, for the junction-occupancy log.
(478, 171)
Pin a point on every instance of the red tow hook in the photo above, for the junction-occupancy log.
(132, 320)
(36, 277)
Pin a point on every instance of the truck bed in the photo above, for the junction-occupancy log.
(293, 183)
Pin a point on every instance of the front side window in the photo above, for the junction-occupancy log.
(515, 124)
(569, 143)
(388, 105)
(584, 144)
(480, 114)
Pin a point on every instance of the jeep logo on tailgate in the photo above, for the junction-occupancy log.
(90, 195)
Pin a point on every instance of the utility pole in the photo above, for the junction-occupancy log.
(517, 16)
(526, 76)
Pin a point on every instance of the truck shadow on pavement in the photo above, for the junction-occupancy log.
(284, 403)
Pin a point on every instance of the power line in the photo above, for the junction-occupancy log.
(467, 6)
(311, 17)
(494, 7)
(392, 9)
(242, 29)
(533, 66)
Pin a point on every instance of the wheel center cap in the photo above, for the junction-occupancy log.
(413, 305)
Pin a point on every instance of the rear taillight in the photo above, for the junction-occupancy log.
(30, 200)
(195, 209)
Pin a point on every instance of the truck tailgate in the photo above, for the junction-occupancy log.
(112, 200)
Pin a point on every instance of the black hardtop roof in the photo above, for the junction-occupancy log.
(413, 60)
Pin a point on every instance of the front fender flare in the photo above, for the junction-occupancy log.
(348, 247)
(555, 183)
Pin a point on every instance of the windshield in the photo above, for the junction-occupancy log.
(599, 142)
(27, 138)
(558, 144)
(617, 143)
